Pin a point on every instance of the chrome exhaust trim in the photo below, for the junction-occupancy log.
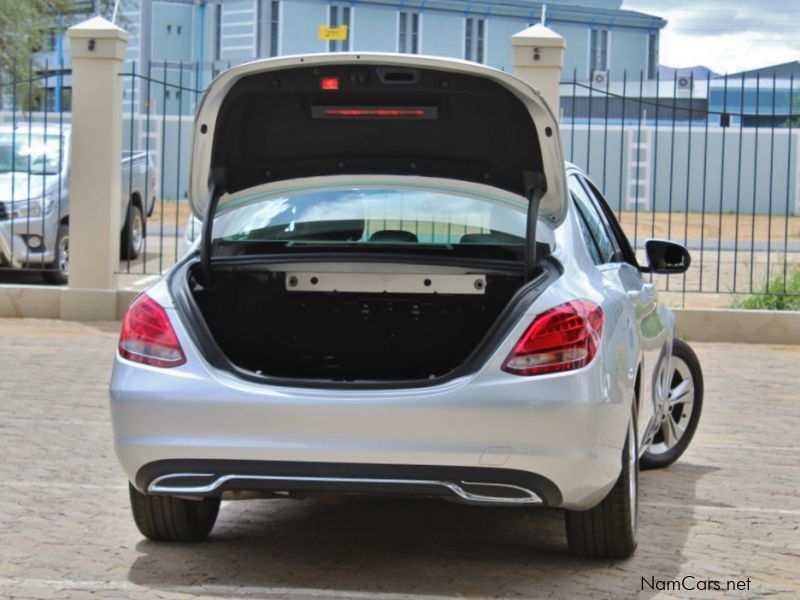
(160, 485)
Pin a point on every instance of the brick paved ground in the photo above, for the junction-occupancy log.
(729, 509)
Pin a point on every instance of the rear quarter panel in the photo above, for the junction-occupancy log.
(620, 350)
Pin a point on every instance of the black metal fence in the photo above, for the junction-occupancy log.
(158, 113)
(34, 187)
(711, 162)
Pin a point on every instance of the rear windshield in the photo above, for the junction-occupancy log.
(374, 216)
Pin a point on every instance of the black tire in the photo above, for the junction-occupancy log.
(609, 529)
(57, 272)
(132, 239)
(168, 519)
(652, 459)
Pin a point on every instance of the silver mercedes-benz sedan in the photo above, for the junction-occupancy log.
(399, 290)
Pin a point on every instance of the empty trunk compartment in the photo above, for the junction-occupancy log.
(263, 326)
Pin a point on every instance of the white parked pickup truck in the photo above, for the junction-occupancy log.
(35, 199)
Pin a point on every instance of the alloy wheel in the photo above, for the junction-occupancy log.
(137, 231)
(677, 408)
(63, 254)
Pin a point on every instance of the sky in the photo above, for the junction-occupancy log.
(726, 35)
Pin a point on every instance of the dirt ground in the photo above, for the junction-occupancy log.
(711, 227)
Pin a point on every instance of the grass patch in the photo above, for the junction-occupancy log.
(774, 297)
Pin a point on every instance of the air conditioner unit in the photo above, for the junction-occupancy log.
(684, 82)
(600, 78)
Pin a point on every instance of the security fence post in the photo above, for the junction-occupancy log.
(98, 50)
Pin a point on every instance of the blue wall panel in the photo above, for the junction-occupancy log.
(374, 28)
(628, 51)
(443, 33)
(576, 57)
(300, 21)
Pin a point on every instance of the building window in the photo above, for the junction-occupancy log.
(338, 16)
(598, 50)
(268, 27)
(66, 99)
(475, 39)
(218, 32)
(408, 32)
(274, 26)
(258, 28)
(652, 55)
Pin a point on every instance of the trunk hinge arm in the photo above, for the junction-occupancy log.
(534, 200)
(205, 240)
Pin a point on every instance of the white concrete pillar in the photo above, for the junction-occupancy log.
(98, 50)
(539, 59)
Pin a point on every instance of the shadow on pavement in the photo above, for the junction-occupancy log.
(373, 546)
(24, 277)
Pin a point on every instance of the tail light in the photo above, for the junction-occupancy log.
(147, 336)
(562, 339)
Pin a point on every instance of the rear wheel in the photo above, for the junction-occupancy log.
(132, 233)
(58, 271)
(681, 412)
(609, 529)
(168, 519)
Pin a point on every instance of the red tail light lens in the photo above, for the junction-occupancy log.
(147, 336)
(562, 339)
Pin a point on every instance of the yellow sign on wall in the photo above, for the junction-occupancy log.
(333, 33)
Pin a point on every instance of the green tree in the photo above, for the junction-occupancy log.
(25, 29)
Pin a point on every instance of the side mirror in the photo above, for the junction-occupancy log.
(666, 257)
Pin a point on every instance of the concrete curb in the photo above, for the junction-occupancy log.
(740, 326)
(692, 324)
(69, 304)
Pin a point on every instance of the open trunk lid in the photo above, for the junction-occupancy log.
(299, 117)
(338, 114)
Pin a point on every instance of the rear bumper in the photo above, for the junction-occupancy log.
(204, 478)
(567, 429)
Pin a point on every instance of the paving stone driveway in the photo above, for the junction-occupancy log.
(729, 510)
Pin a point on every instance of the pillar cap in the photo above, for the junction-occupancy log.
(97, 27)
(538, 35)
(97, 38)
